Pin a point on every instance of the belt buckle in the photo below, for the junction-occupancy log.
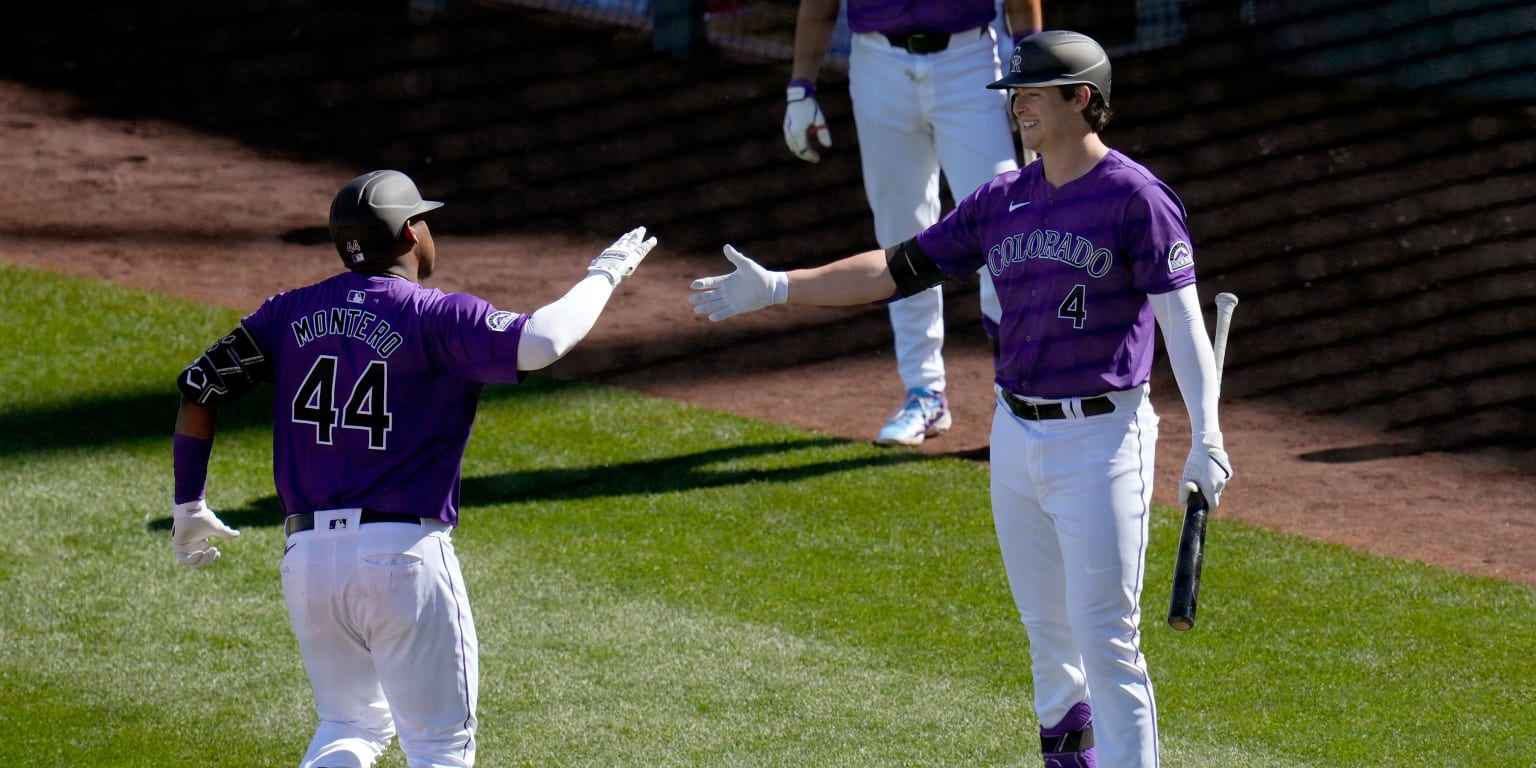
(920, 43)
(1030, 410)
(1022, 408)
(925, 43)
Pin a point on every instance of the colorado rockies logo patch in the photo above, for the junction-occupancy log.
(1180, 257)
(500, 321)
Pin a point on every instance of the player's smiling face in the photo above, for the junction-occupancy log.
(1044, 115)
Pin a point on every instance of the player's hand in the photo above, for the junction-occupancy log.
(1208, 468)
(802, 119)
(749, 288)
(619, 260)
(193, 524)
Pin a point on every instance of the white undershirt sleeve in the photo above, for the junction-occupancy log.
(1192, 359)
(554, 329)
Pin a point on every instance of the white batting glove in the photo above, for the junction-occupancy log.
(1207, 468)
(802, 118)
(619, 260)
(192, 525)
(748, 289)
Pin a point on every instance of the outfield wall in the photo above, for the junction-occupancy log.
(1362, 174)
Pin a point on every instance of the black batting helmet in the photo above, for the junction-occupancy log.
(1057, 57)
(370, 212)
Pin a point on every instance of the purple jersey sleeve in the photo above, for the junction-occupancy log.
(375, 385)
(1073, 267)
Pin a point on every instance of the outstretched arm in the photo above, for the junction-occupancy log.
(555, 329)
(858, 279)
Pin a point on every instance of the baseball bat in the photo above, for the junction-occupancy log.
(1185, 597)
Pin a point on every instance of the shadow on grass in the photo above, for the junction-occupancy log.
(99, 422)
(639, 478)
(264, 512)
(145, 417)
(682, 472)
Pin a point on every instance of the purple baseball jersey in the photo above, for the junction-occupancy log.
(375, 384)
(1073, 268)
(898, 17)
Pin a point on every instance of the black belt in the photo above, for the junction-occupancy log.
(920, 42)
(305, 521)
(1092, 406)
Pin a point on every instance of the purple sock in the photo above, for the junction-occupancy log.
(189, 457)
(1062, 745)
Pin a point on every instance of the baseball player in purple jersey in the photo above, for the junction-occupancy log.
(375, 380)
(1089, 251)
(915, 74)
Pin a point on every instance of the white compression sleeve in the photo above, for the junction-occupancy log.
(1190, 355)
(555, 328)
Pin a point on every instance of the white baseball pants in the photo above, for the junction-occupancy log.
(1071, 501)
(915, 114)
(387, 638)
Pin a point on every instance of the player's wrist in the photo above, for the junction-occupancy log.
(608, 275)
(189, 508)
(800, 89)
(189, 466)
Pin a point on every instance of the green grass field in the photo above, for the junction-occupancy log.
(659, 585)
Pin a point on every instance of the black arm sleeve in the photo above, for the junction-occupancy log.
(911, 268)
(226, 371)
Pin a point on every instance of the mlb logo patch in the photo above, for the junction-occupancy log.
(355, 297)
(1180, 257)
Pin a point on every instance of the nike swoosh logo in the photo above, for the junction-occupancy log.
(1015, 206)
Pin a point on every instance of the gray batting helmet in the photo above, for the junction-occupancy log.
(1057, 57)
(370, 212)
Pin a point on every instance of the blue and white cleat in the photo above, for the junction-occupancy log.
(923, 415)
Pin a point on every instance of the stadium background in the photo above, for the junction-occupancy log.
(1362, 174)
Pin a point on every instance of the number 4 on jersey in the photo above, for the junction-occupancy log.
(367, 407)
(1074, 307)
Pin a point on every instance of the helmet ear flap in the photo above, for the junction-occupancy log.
(371, 212)
(359, 242)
